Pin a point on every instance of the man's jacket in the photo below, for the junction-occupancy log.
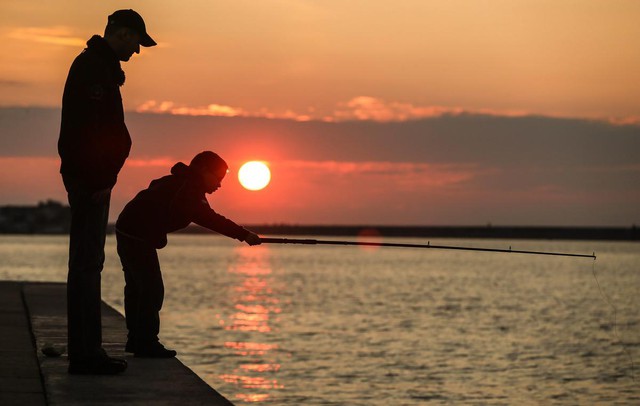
(169, 204)
(94, 141)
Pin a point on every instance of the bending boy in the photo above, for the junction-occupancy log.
(168, 204)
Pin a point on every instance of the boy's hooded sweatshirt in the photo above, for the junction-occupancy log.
(169, 204)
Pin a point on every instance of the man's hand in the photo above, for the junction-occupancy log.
(252, 239)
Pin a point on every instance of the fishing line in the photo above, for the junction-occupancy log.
(615, 321)
(428, 245)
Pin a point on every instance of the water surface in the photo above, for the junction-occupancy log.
(323, 325)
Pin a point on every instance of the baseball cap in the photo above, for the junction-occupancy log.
(133, 20)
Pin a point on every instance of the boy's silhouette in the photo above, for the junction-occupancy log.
(168, 204)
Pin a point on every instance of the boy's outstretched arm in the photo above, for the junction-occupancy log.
(206, 217)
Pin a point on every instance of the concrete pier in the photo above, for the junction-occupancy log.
(33, 315)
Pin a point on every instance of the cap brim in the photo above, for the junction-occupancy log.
(147, 41)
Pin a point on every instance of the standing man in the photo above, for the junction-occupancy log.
(94, 143)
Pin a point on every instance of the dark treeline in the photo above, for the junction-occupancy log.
(50, 217)
(47, 217)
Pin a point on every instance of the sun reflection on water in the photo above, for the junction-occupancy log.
(255, 303)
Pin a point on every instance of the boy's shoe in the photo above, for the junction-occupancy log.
(153, 350)
(103, 365)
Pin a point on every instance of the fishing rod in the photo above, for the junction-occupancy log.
(428, 245)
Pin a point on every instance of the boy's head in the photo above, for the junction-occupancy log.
(210, 168)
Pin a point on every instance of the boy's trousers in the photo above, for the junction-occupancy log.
(143, 291)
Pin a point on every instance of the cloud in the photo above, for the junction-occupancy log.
(12, 83)
(217, 110)
(57, 35)
(367, 108)
(629, 120)
(152, 106)
(371, 108)
(408, 174)
(359, 108)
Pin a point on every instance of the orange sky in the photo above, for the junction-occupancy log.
(369, 61)
(312, 59)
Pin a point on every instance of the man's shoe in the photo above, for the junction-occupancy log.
(97, 366)
(153, 350)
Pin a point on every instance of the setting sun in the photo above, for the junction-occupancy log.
(254, 175)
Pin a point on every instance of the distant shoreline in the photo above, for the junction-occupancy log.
(50, 218)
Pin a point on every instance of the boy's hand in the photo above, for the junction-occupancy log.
(252, 239)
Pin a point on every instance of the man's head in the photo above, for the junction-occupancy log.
(210, 168)
(126, 32)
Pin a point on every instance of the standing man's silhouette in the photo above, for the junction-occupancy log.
(94, 143)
